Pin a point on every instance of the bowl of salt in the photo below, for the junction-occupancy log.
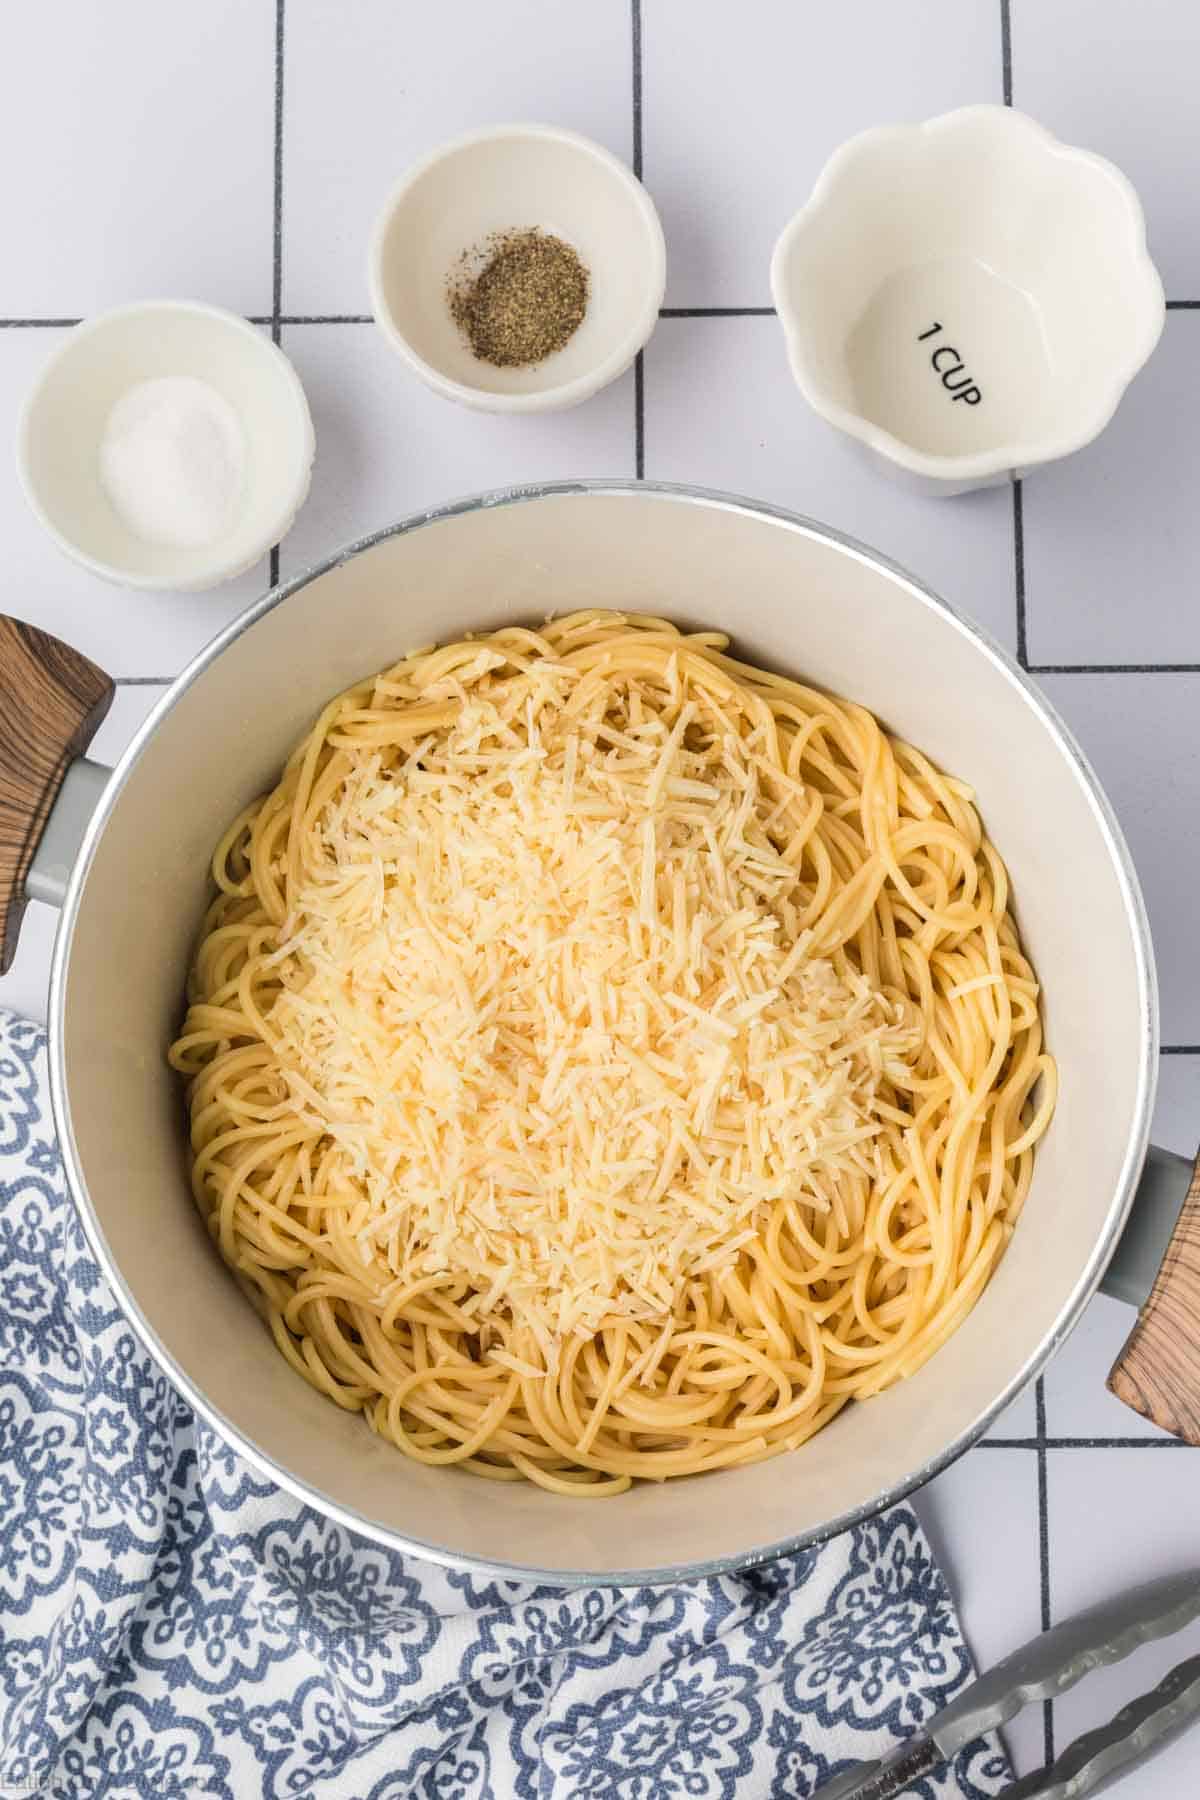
(166, 444)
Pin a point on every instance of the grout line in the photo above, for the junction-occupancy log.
(1117, 1443)
(1044, 1549)
(142, 680)
(639, 417)
(1006, 50)
(1018, 512)
(1112, 668)
(1083, 1443)
(1179, 1049)
(639, 367)
(277, 232)
(716, 312)
(277, 226)
(665, 312)
(635, 20)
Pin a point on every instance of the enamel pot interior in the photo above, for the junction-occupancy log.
(793, 598)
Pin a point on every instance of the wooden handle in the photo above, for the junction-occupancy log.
(51, 701)
(1158, 1371)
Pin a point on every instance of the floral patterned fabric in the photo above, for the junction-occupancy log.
(172, 1624)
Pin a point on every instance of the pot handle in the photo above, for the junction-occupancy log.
(1158, 1371)
(52, 700)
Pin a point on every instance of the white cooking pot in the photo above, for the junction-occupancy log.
(795, 597)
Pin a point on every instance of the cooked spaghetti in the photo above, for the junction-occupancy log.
(605, 1059)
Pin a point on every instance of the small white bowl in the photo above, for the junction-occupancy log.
(63, 420)
(504, 179)
(968, 297)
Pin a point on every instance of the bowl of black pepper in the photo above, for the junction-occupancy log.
(518, 269)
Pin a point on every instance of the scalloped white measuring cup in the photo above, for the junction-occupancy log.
(968, 298)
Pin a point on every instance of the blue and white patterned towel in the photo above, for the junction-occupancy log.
(174, 1625)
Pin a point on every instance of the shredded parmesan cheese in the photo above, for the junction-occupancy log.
(546, 991)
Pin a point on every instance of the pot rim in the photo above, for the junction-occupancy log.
(1089, 1277)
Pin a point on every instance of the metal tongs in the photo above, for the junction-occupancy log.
(1043, 1669)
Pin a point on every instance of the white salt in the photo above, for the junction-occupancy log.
(172, 462)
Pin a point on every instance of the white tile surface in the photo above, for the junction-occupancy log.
(1140, 732)
(372, 86)
(387, 445)
(991, 1497)
(137, 143)
(721, 411)
(741, 109)
(1122, 80)
(1078, 1404)
(1018, 1420)
(1177, 1112)
(1112, 536)
(1118, 1516)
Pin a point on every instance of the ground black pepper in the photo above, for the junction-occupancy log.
(526, 300)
